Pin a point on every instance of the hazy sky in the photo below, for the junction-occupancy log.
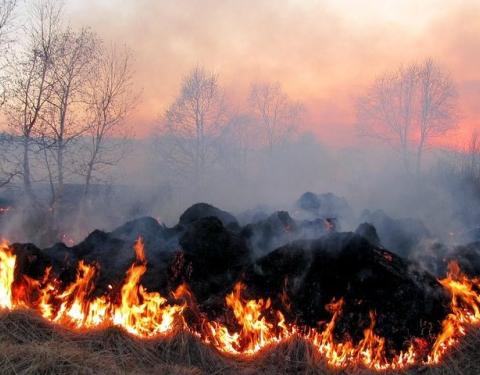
(323, 52)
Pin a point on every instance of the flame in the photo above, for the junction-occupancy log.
(369, 351)
(7, 269)
(255, 324)
(138, 311)
(143, 313)
(139, 249)
(465, 310)
(255, 331)
(75, 306)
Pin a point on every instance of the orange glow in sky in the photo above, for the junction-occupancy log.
(323, 52)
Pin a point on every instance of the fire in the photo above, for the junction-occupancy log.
(465, 307)
(7, 269)
(369, 351)
(255, 331)
(255, 324)
(138, 311)
(139, 249)
(76, 309)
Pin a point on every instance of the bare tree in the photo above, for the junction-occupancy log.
(65, 119)
(32, 83)
(8, 166)
(192, 126)
(386, 112)
(437, 105)
(8, 170)
(407, 108)
(6, 11)
(7, 8)
(460, 167)
(276, 113)
(473, 153)
(110, 100)
(237, 142)
(467, 162)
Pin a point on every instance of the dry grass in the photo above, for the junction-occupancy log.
(29, 345)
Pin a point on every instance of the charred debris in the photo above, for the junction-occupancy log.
(301, 264)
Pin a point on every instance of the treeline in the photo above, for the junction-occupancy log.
(67, 96)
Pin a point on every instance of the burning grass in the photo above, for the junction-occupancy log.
(137, 331)
(31, 345)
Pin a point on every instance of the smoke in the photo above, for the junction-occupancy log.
(322, 52)
(324, 65)
(418, 217)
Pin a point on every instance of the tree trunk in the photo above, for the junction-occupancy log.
(420, 154)
(405, 156)
(88, 179)
(27, 183)
(60, 171)
(57, 205)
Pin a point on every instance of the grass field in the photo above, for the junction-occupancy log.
(30, 345)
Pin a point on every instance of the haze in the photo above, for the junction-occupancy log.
(322, 52)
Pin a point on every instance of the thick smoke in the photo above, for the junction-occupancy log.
(368, 183)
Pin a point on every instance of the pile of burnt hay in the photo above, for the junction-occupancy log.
(30, 345)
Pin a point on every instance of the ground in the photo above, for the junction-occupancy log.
(30, 345)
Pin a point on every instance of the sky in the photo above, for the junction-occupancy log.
(323, 52)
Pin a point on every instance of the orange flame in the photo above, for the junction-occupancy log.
(7, 269)
(257, 324)
(255, 332)
(465, 306)
(139, 249)
(138, 311)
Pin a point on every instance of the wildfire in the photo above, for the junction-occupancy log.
(257, 324)
(7, 269)
(370, 351)
(255, 331)
(465, 306)
(137, 310)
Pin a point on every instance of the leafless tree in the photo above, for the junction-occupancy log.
(6, 11)
(192, 126)
(8, 171)
(461, 166)
(407, 108)
(386, 112)
(32, 83)
(7, 8)
(9, 168)
(276, 113)
(437, 105)
(65, 119)
(110, 100)
(467, 161)
(237, 143)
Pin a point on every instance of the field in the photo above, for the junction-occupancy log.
(30, 345)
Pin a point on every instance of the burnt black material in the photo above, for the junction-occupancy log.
(301, 265)
(408, 301)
